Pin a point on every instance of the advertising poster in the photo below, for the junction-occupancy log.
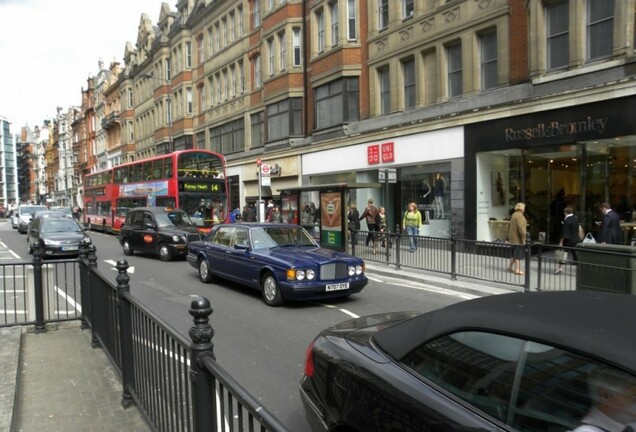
(331, 219)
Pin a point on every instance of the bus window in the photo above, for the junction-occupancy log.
(119, 175)
(166, 202)
(157, 169)
(147, 167)
(137, 173)
(104, 208)
(167, 168)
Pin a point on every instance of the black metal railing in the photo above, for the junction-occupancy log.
(544, 267)
(175, 382)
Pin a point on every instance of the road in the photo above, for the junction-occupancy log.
(262, 347)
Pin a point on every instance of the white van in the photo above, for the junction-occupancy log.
(24, 212)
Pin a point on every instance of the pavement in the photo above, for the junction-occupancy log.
(55, 381)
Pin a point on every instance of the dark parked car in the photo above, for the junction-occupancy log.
(524, 361)
(58, 236)
(159, 231)
(281, 260)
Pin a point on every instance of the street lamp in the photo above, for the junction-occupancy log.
(169, 100)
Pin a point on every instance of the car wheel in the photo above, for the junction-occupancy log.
(271, 291)
(204, 271)
(164, 252)
(128, 251)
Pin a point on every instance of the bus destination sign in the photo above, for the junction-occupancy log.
(201, 187)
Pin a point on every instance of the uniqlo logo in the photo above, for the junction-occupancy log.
(388, 155)
(373, 154)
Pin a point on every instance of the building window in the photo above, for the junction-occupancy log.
(189, 100)
(168, 70)
(351, 20)
(296, 41)
(218, 87)
(333, 8)
(320, 26)
(201, 94)
(383, 14)
(225, 84)
(454, 53)
(337, 102)
(407, 8)
(384, 80)
(558, 24)
(228, 138)
(241, 77)
(239, 12)
(272, 56)
(270, 5)
(284, 119)
(130, 98)
(282, 42)
(233, 83)
(257, 71)
(488, 48)
(408, 69)
(200, 50)
(210, 41)
(224, 32)
(232, 29)
(188, 57)
(256, 13)
(258, 129)
(600, 28)
(217, 37)
(211, 87)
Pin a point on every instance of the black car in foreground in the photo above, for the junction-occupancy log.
(547, 361)
(58, 235)
(157, 230)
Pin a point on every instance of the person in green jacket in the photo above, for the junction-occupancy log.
(411, 224)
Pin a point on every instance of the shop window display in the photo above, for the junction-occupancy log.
(429, 188)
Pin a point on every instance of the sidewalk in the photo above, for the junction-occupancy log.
(55, 381)
(63, 384)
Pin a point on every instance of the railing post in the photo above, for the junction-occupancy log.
(84, 285)
(92, 265)
(38, 289)
(526, 282)
(539, 265)
(203, 388)
(453, 241)
(125, 332)
(398, 236)
(354, 241)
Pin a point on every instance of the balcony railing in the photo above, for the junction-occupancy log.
(110, 120)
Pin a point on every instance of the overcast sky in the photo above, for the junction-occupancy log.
(48, 49)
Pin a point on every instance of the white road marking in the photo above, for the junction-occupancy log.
(344, 311)
(68, 299)
(375, 279)
(14, 254)
(423, 287)
(131, 269)
(12, 312)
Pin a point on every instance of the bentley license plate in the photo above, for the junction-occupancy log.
(69, 248)
(337, 287)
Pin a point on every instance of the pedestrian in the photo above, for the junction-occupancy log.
(610, 231)
(411, 224)
(353, 216)
(269, 210)
(368, 215)
(517, 238)
(569, 235)
(381, 224)
(248, 213)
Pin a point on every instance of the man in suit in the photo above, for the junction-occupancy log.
(610, 231)
(570, 235)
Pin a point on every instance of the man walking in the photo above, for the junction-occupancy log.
(610, 231)
(369, 215)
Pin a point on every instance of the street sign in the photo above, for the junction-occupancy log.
(265, 170)
(266, 180)
(387, 175)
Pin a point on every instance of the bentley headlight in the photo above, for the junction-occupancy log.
(359, 269)
(352, 270)
(300, 274)
(311, 274)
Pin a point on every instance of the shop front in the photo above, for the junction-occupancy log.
(425, 168)
(579, 156)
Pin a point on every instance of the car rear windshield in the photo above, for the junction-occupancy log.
(31, 209)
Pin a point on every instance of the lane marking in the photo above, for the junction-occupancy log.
(131, 269)
(374, 279)
(430, 288)
(68, 299)
(344, 311)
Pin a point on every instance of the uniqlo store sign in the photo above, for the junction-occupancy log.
(384, 152)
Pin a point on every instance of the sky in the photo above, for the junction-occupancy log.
(49, 48)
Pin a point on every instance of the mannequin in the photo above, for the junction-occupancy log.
(439, 189)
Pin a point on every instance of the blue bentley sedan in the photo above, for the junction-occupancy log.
(281, 260)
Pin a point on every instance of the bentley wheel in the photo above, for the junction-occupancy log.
(128, 251)
(204, 271)
(164, 252)
(271, 291)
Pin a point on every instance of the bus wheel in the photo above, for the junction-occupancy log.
(128, 251)
(164, 252)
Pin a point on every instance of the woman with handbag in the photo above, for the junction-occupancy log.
(569, 238)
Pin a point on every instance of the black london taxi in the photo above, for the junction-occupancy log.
(156, 230)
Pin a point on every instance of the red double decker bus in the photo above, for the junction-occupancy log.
(192, 180)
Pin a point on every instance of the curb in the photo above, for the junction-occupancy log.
(10, 363)
(413, 275)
